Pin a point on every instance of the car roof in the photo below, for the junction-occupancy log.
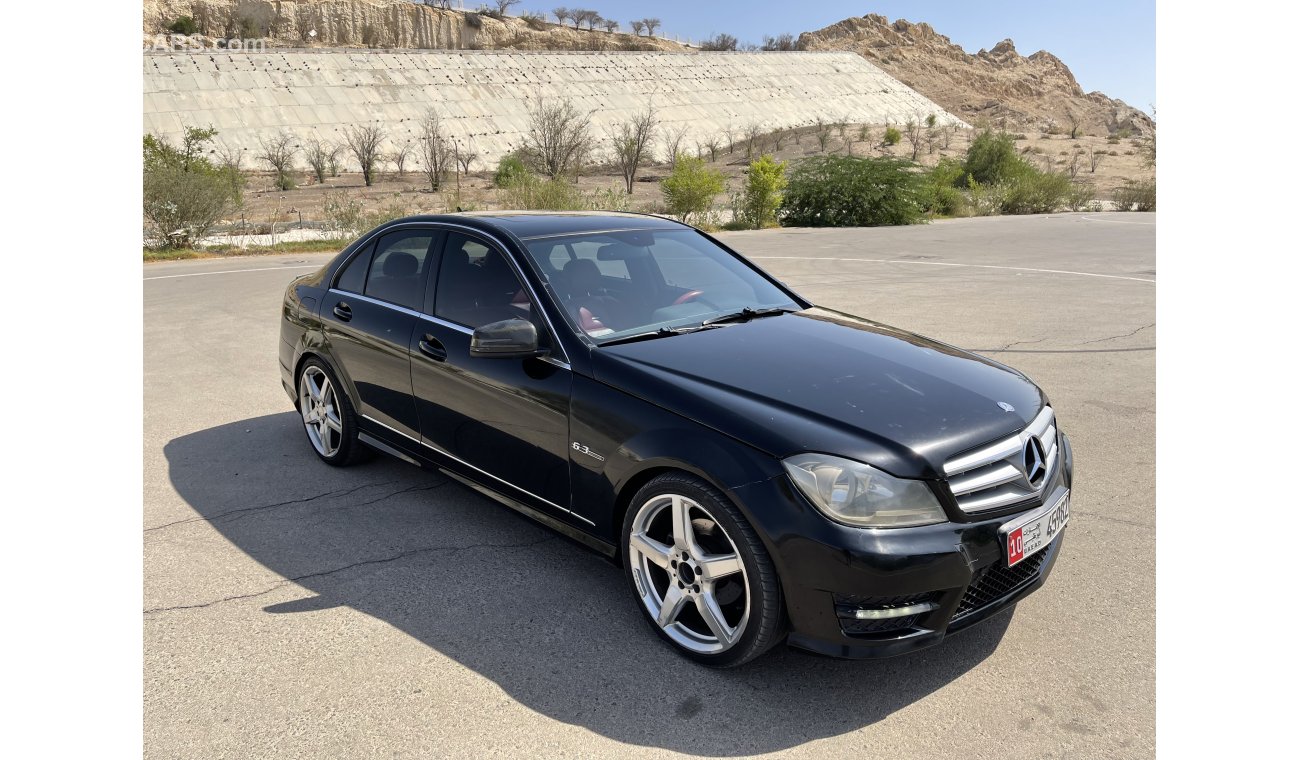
(534, 224)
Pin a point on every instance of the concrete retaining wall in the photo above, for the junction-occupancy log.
(485, 96)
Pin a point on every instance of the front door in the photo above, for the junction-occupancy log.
(506, 418)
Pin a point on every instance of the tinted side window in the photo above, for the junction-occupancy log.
(397, 272)
(353, 277)
(476, 285)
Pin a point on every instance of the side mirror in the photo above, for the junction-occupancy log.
(507, 339)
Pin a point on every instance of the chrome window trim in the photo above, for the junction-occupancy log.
(502, 247)
(477, 469)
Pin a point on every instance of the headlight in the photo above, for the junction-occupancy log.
(858, 494)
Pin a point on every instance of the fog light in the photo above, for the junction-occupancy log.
(894, 612)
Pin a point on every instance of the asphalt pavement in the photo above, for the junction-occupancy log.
(296, 610)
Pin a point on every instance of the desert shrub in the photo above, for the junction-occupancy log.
(1113, 140)
(942, 198)
(184, 193)
(985, 200)
(1136, 195)
(1034, 192)
(343, 213)
(763, 188)
(509, 170)
(1124, 134)
(843, 191)
(251, 28)
(395, 208)
(991, 158)
(530, 192)
(691, 187)
(184, 25)
(720, 41)
(892, 136)
(1080, 196)
(607, 199)
(535, 21)
(473, 20)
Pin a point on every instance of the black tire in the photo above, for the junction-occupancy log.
(350, 450)
(766, 622)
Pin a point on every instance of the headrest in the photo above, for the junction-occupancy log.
(582, 268)
(400, 264)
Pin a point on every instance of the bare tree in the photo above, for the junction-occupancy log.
(611, 25)
(364, 143)
(1094, 158)
(435, 149)
(561, 14)
(730, 132)
(914, 133)
(465, 156)
(651, 24)
(277, 152)
(630, 139)
(229, 157)
(638, 27)
(945, 133)
(1074, 165)
(823, 133)
(558, 137)
(753, 139)
(719, 42)
(593, 20)
(712, 145)
(673, 137)
(782, 42)
(335, 158)
(317, 153)
(579, 16)
(1075, 123)
(504, 5)
(400, 155)
(778, 137)
(864, 135)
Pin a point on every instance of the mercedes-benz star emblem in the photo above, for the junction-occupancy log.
(1035, 461)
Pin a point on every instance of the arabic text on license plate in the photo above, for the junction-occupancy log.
(1031, 537)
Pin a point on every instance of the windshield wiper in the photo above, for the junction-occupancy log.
(662, 332)
(744, 315)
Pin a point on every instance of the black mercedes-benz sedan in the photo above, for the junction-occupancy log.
(764, 470)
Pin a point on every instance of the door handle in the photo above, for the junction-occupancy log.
(343, 311)
(433, 348)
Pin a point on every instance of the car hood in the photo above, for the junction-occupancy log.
(824, 381)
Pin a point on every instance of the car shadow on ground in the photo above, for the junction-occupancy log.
(548, 621)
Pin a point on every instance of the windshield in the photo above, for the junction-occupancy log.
(616, 284)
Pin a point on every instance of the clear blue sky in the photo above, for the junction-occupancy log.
(1110, 45)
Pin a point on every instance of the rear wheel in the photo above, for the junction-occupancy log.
(327, 415)
(703, 578)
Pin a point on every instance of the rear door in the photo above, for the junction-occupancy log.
(506, 418)
(369, 315)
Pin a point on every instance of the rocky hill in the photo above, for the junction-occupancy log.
(998, 85)
(379, 24)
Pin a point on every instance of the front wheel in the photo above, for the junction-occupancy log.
(703, 578)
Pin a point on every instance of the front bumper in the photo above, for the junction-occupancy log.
(957, 570)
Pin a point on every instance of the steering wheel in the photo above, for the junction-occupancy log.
(694, 295)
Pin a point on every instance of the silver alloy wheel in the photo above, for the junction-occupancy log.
(689, 574)
(320, 411)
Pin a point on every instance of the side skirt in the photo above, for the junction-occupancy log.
(604, 548)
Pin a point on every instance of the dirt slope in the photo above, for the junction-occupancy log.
(1025, 92)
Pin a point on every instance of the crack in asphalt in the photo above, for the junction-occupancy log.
(291, 502)
(344, 568)
(1117, 337)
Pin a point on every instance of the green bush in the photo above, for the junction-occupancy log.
(184, 194)
(844, 191)
(942, 198)
(763, 189)
(691, 187)
(530, 192)
(892, 136)
(1136, 195)
(510, 169)
(1080, 196)
(1035, 192)
(991, 158)
(184, 25)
